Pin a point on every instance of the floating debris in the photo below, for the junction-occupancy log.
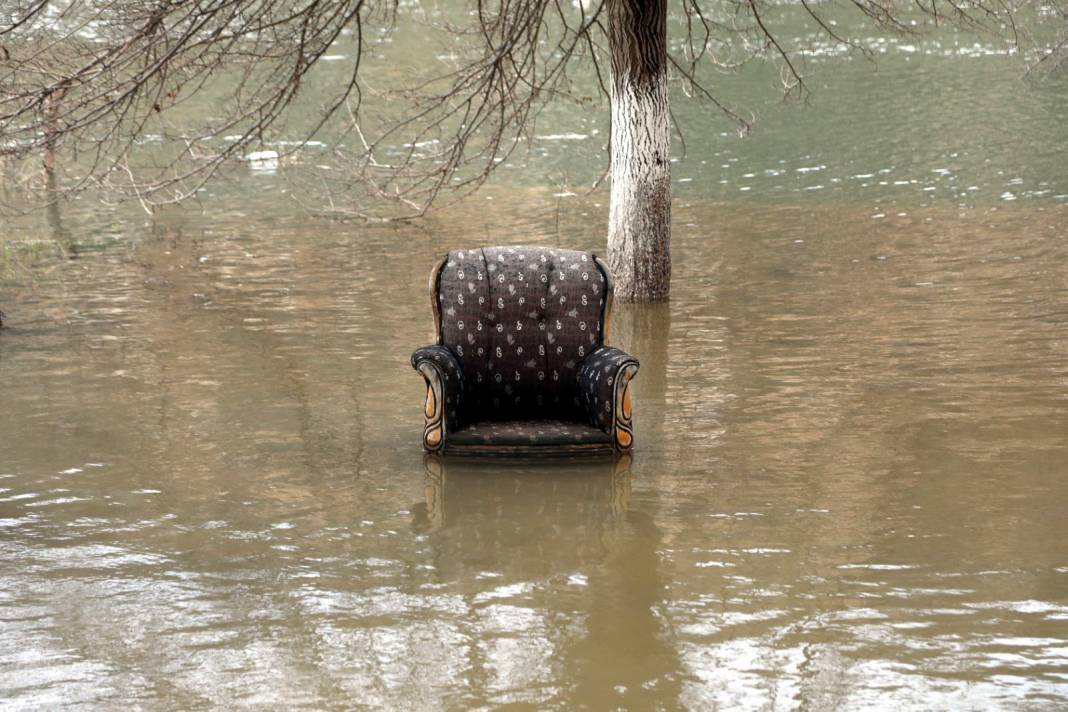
(263, 160)
(563, 137)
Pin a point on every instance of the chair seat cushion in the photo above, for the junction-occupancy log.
(509, 433)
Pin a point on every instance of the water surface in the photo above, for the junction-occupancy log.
(849, 487)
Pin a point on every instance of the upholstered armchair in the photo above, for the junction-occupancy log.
(521, 362)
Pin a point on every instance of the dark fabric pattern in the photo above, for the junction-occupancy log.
(452, 379)
(575, 303)
(521, 320)
(516, 367)
(529, 432)
(596, 382)
(463, 298)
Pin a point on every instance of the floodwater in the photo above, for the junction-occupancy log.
(849, 488)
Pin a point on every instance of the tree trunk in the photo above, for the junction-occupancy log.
(51, 111)
(639, 222)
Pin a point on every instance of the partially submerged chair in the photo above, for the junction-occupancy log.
(521, 364)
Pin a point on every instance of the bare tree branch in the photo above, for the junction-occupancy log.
(118, 87)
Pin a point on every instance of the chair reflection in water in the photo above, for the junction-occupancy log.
(554, 565)
(521, 363)
(515, 501)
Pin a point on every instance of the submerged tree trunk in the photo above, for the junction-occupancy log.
(639, 222)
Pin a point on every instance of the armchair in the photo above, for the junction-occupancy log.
(521, 364)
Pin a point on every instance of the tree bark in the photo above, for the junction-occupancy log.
(639, 222)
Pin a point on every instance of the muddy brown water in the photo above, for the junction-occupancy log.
(849, 487)
(850, 483)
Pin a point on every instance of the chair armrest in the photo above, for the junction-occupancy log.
(444, 393)
(604, 387)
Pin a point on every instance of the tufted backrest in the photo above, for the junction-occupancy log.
(521, 319)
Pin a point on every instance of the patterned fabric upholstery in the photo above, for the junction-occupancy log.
(529, 432)
(596, 381)
(521, 319)
(520, 355)
(451, 377)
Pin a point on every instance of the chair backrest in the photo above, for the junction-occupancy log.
(521, 319)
